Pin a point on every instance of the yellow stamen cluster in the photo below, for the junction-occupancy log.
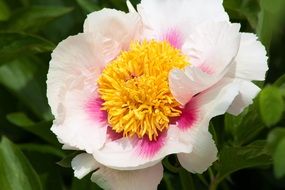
(135, 89)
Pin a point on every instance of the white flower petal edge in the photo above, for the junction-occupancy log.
(251, 60)
(203, 155)
(110, 179)
(250, 64)
(247, 92)
(211, 49)
(75, 66)
(116, 25)
(160, 16)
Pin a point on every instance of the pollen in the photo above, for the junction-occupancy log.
(135, 89)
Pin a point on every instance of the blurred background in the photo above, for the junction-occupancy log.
(251, 146)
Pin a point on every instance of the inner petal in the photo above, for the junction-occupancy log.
(135, 89)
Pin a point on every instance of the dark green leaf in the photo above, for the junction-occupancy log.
(281, 84)
(44, 149)
(274, 138)
(13, 45)
(4, 11)
(24, 78)
(246, 126)
(271, 105)
(88, 5)
(41, 129)
(186, 180)
(279, 159)
(271, 12)
(32, 19)
(84, 183)
(232, 159)
(66, 161)
(16, 172)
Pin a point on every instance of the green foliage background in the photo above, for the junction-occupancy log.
(251, 146)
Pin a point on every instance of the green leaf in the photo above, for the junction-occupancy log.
(271, 12)
(5, 12)
(24, 78)
(41, 129)
(16, 172)
(232, 159)
(84, 183)
(44, 149)
(279, 159)
(66, 161)
(88, 5)
(271, 105)
(274, 138)
(240, 9)
(280, 82)
(33, 19)
(186, 180)
(246, 126)
(13, 45)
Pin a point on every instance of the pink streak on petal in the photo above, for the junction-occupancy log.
(113, 135)
(93, 108)
(206, 68)
(189, 115)
(147, 148)
(174, 37)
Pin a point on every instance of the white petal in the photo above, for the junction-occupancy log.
(159, 16)
(208, 104)
(78, 58)
(110, 179)
(247, 92)
(116, 25)
(74, 68)
(74, 126)
(83, 164)
(251, 60)
(144, 179)
(204, 152)
(213, 46)
(185, 84)
(217, 99)
(211, 49)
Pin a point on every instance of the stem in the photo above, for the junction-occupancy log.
(186, 180)
(213, 185)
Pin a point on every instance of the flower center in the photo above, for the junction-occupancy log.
(135, 89)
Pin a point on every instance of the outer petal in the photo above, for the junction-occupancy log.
(116, 25)
(110, 179)
(211, 49)
(74, 68)
(247, 92)
(251, 60)
(213, 46)
(204, 152)
(161, 16)
(76, 59)
(210, 103)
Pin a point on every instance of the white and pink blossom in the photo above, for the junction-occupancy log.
(218, 64)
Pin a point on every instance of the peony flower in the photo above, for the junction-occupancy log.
(136, 87)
